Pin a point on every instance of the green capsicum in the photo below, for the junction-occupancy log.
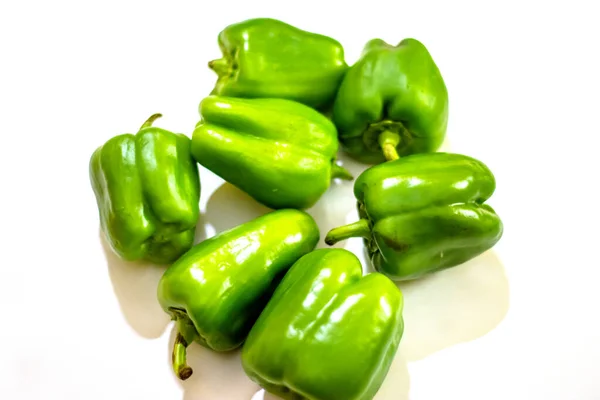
(423, 213)
(265, 57)
(147, 190)
(217, 289)
(392, 101)
(328, 333)
(280, 152)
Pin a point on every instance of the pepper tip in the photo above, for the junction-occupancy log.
(184, 373)
(330, 241)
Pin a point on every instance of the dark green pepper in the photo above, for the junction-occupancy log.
(147, 191)
(268, 58)
(328, 333)
(216, 290)
(424, 213)
(280, 152)
(392, 102)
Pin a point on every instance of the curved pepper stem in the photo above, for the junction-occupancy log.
(182, 370)
(360, 228)
(150, 120)
(338, 171)
(186, 334)
(388, 141)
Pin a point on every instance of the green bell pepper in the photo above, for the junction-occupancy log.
(216, 290)
(264, 57)
(328, 333)
(423, 213)
(280, 152)
(392, 101)
(147, 191)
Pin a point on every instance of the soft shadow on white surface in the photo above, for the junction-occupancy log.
(336, 204)
(454, 306)
(229, 207)
(216, 375)
(200, 234)
(135, 284)
(396, 385)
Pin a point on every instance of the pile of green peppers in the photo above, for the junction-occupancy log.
(310, 324)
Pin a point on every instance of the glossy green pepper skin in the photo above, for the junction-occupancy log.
(392, 102)
(328, 333)
(424, 213)
(268, 58)
(147, 190)
(280, 152)
(216, 290)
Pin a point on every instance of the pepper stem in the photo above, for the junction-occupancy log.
(360, 228)
(182, 370)
(338, 171)
(388, 141)
(186, 334)
(220, 66)
(150, 120)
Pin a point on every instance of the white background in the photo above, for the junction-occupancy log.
(520, 322)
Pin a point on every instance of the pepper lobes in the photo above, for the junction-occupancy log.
(217, 289)
(265, 57)
(147, 191)
(424, 213)
(392, 101)
(328, 333)
(280, 152)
